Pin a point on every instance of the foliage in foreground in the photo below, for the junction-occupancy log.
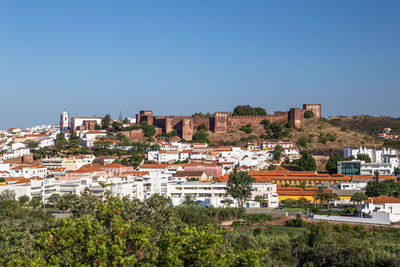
(128, 233)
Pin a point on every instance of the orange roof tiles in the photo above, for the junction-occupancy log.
(114, 165)
(298, 191)
(383, 200)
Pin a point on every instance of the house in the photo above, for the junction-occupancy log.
(72, 163)
(359, 167)
(381, 207)
(189, 176)
(214, 193)
(28, 171)
(115, 169)
(88, 138)
(211, 169)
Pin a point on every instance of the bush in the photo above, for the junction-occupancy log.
(200, 136)
(302, 141)
(290, 202)
(346, 227)
(257, 218)
(308, 114)
(256, 231)
(202, 127)
(298, 222)
(148, 130)
(247, 129)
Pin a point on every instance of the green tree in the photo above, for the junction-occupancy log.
(106, 122)
(7, 195)
(23, 199)
(33, 145)
(247, 129)
(276, 129)
(200, 136)
(308, 114)
(302, 141)
(359, 197)
(155, 147)
(202, 127)
(239, 186)
(388, 187)
(306, 161)
(148, 130)
(331, 164)
(189, 201)
(36, 202)
(61, 142)
(245, 110)
(266, 123)
(73, 140)
(227, 202)
(277, 153)
(116, 126)
(364, 157)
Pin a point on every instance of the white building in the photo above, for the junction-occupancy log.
(119, 187)
(394, 160)
(376, 155)
(46, 142)
(155, 183)
(358, 167)
(89, 137)
(28, 171)
(211, 194)
(381, 206)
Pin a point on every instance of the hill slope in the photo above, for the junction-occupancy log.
(367, 124)
(321, 137)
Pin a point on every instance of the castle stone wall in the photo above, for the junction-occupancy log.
(221, 122)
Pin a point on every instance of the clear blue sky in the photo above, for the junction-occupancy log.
(181, 57)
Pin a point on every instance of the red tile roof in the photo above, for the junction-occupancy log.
(383, 200)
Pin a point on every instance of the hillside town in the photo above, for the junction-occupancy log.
(200, 133)
(82, 154)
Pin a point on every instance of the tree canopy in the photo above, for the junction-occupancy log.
(364, 157)
(308, 114)
(306, 161)
(245, 110)
(106, 122)
(239, 186)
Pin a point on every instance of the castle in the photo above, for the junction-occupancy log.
(221, 122)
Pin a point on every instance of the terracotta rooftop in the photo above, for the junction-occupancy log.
(383, 200)
(188, 173)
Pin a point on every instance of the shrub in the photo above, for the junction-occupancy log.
(297, 222)
(247, 129)
(308, 114)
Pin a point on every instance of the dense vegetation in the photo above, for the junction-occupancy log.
(127, 232)
(246, 110)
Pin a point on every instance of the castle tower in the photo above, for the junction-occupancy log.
(314, 108)
(295, 116)
(187, 128)
(220, 122)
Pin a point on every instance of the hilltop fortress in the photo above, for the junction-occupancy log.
(221, 122)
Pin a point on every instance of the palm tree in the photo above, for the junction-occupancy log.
(320, 195)
(227, 202)
(331, 197)
(189, 200)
